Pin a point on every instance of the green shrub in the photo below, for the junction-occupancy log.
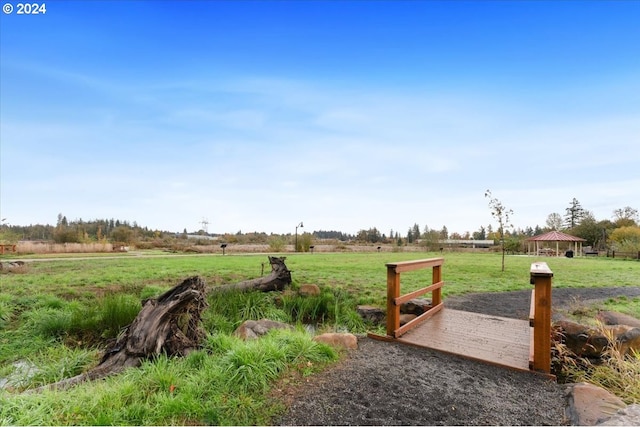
(6, 310)
(229, 309)
(56, 363)
(276, 244)
(254, 365)
(48, 322)
(315, 309)
(117, 311)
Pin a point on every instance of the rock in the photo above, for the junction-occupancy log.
(629, 416)
(615, 318)
(589, 404)
(586, 341)
(371, 314)
(630, 340)
(309, 290)
(252, 329)
(416, 306)
(406, 318)
(345, 340)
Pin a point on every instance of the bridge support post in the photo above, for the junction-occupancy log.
(393, 292)
(541, 279)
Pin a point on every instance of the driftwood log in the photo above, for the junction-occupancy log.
(167, 324)
(279, 278)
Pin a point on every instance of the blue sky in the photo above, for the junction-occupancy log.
(344, 115)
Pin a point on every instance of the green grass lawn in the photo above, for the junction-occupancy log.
(54, 314)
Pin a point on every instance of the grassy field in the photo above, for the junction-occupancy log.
(56, 315)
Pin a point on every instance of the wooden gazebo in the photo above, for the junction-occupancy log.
(554, 237)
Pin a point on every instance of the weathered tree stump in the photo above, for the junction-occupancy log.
(167, 324)
(170, 324)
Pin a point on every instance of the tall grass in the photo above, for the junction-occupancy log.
(61, 248)
(616, 372)
(227, 385)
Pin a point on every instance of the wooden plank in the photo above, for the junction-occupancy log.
(414, 294)
(415, 322)
(403, 266)
(496, 340)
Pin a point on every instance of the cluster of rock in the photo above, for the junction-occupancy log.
(591, 342)
(589, 404)
(252, 329)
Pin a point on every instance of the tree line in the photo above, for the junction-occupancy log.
(621, 231)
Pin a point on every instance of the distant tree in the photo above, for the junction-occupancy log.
(416, 231)
(502, 215)
(626, 216)
(444, 233)
(371, 235)
(122, 234)
(480, 234)
(589, 230)
(626, 238)
(410, 237)
(554, 221)
(430, 239)
(574, 214)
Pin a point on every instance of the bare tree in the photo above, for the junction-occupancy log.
(626, 216)
(502, 215)
(554, 221)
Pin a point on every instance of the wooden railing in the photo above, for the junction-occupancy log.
(395, 300)
(540, 318)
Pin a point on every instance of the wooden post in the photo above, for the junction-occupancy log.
(436, 295)
(541, 278)
(393, 292)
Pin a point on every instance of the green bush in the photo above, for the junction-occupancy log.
(115, 312)
(314, 309)
(228, 310)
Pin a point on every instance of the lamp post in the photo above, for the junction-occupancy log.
(301, 226)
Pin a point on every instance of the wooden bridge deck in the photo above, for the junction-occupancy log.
(497, 340)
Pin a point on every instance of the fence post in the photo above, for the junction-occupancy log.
(393, 292)
(541, 279)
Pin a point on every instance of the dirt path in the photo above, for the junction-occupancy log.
(393, 384)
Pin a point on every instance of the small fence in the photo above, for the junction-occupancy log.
(7, 249)
(619, 254)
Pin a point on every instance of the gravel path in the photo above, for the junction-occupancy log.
(392, 384)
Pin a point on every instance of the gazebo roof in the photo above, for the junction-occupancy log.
(555, 236)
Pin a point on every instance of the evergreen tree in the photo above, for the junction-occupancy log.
(574, 214)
